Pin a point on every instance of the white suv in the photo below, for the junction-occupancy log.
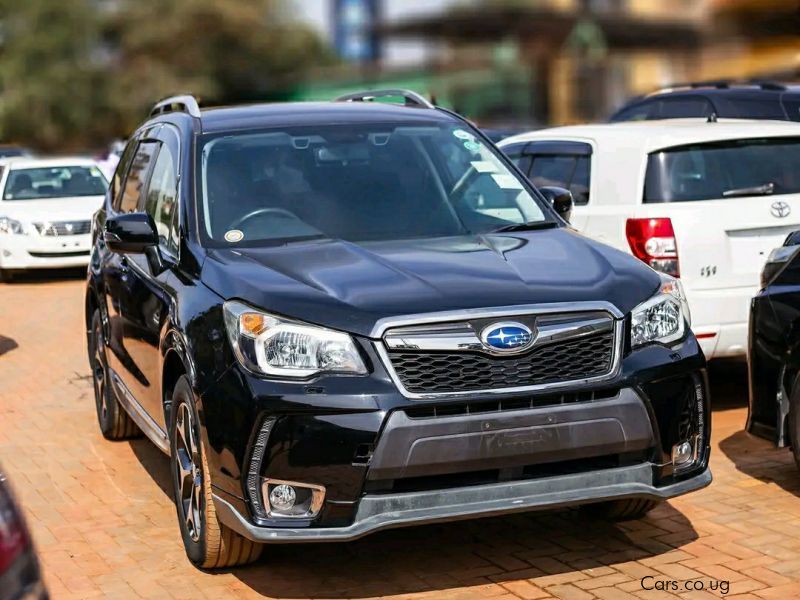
(46, 207)
(703, 200)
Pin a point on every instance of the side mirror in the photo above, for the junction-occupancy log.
(561, 200)
(130, 233)
(779, 257)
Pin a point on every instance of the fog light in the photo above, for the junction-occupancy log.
(282, 497)
(290, 499)
(682, 454)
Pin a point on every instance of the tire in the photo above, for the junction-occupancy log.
(209, 544)
(114, 422)
(626, 509)
(794, 425)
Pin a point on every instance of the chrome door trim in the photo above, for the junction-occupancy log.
(137, 412)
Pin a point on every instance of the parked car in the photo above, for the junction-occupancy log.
(20, 575)
(346, 316)
(702, 201)
(12, 151)
(716, 99)
(46, 208)
(774, 337)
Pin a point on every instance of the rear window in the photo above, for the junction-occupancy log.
(735, 168)
(54, 182)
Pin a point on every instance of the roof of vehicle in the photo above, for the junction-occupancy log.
(648, 136)
(357, 107)
(228, 118)
(27, 162)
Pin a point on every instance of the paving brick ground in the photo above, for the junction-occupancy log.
(105, 526)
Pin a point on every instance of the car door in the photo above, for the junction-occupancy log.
(149, 291)
(117, 270)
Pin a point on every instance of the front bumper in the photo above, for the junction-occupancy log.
(44, 252)
(384, 461)
(384, 511)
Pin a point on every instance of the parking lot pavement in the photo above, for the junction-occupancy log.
(104, 524)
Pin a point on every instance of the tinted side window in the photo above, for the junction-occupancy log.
(637, 112)
(119, 173)
(516, 153)
(137, 176)
(753, 108)
(161, 198)
(792, 108)
(678, 108)
(568, 171)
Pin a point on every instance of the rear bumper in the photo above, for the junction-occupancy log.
(384, 511)
(719, 319)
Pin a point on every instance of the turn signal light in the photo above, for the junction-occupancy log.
(653, 242)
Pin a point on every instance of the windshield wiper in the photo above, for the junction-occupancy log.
(531, 226)
(756, 190)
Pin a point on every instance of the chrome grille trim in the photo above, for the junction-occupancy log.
(454, 330)
(61, 228)
(463, 336)
(254, 471)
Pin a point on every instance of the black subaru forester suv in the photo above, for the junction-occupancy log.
(347, 316)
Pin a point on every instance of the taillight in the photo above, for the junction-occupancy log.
(13, 535)
(653, 241)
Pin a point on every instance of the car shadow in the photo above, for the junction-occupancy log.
(450, 555)
(762, 460)
(46, 275)
(471, 553)
(7, 344)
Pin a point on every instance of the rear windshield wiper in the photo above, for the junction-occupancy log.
(756, 190)
(531, 226)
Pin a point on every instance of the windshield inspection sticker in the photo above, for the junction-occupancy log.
(463, 135)
(507, 182)
(483, 166)
(472, 146)
(234, 235)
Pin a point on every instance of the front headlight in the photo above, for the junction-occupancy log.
(9, 226)
(663, 318)
(272, 345)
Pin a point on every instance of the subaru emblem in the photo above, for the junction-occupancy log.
(507, 337)
(780, 209)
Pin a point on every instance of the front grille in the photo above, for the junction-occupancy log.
(61, 228)
(443, 372)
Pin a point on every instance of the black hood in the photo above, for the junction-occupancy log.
(350, 286)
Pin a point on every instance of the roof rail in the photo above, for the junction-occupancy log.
(183, 103)
(410, 98)
(720, 84)
(768, 85)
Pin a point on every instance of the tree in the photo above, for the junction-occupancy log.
(76, 73)
(52, 84)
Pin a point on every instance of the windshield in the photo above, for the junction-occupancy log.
(54, 182)
(734, 168)
(358, 183)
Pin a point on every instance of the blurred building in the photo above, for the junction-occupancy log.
(536, 62)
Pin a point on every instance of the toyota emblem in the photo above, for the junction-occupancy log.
(780, 209)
